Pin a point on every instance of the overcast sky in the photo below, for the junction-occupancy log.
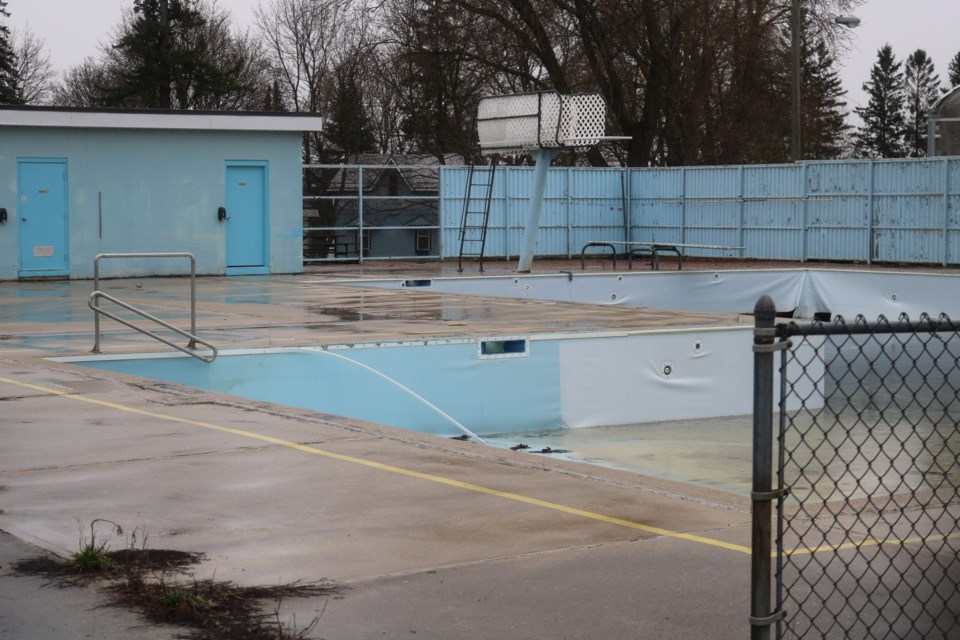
(72, 30)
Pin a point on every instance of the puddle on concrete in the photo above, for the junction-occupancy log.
(381, 313)
(54, 290)
(343, 315)
(455, 314)
(250, 300)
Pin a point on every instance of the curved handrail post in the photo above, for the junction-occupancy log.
(193, 291)
(96, 295)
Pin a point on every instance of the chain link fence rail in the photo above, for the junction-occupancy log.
(867, 494)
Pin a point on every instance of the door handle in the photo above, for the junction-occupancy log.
(222, 214)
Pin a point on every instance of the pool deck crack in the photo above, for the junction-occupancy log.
(174, 456)
(354, 581)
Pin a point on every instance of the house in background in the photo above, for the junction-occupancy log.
(943, 125)
(224, 186)
(397, 197)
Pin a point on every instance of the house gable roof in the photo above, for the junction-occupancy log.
(421, 173)
(420, 221)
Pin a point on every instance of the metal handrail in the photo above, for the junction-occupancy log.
(193, 291)
(96, 295)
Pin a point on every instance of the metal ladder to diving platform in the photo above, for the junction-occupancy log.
(476, 211)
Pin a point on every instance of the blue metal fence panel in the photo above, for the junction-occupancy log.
(838, 178)
(908, 219)
(711, 182)
(655, 204)
(772, 181)
(772, 227)
(855, 210)
(661, 184)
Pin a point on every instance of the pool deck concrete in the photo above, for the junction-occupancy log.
(429, 538)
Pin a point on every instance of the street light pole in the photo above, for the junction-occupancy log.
(795, 154)
(850, 22)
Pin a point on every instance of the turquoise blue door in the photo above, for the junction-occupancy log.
(42, 212)
(246, 221)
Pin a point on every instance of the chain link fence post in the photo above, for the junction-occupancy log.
(763, 337)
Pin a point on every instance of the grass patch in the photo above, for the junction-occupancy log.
(92, 556)
(91, 559)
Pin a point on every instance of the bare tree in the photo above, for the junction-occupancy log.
(305, 41)
(36, 78)
(690, 81)
(82, 85)
(432, 74)
(383, 99)
(241, 53)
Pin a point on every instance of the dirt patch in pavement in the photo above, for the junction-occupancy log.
(158, 584)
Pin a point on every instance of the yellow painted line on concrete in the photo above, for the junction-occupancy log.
(870, 542)
(392, 469)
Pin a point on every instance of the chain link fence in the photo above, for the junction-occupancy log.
(867, 491)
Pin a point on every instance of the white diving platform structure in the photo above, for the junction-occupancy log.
(544, 124)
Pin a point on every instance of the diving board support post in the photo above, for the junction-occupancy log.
(544, 156)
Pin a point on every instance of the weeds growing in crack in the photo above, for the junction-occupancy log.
(92, 556)
(159, 584)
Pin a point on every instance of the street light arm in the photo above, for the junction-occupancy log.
(850, 22)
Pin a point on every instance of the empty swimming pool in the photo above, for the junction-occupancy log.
(583, 392)
(492, 385)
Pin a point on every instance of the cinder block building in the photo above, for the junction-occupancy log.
(225, 186)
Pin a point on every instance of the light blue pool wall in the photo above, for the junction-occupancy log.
(497, 394)
(564, 380)
(160, 192)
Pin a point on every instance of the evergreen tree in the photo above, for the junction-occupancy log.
(922, 86)
(953, 71)
(273, 98)
(168, 59)
(824, 127)
(884, 122)
(348, 128)
(8, 63)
